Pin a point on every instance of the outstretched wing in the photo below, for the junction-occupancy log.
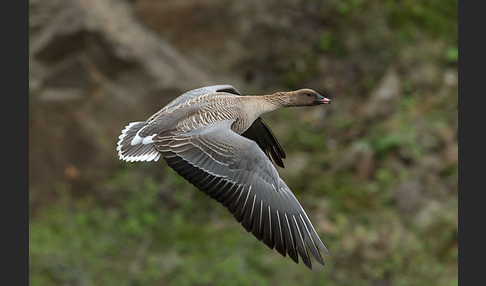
(233, 170)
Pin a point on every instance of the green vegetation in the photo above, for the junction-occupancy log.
(150, 237)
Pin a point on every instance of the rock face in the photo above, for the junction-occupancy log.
(90, 64)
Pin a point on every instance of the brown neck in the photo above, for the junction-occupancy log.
(273, 101)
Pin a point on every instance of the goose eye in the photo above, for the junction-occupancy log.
(309, 94)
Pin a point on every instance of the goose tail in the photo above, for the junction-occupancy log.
(133, 148)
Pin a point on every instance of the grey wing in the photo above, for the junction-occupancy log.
(213, 89)
(234, 171)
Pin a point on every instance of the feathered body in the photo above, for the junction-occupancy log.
(215, 138)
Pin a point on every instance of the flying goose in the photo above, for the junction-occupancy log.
(215, 138)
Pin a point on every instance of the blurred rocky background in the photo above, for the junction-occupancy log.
(376, 170)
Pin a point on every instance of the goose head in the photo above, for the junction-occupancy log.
(301, 97)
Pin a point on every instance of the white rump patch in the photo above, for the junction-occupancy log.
(144, 140)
